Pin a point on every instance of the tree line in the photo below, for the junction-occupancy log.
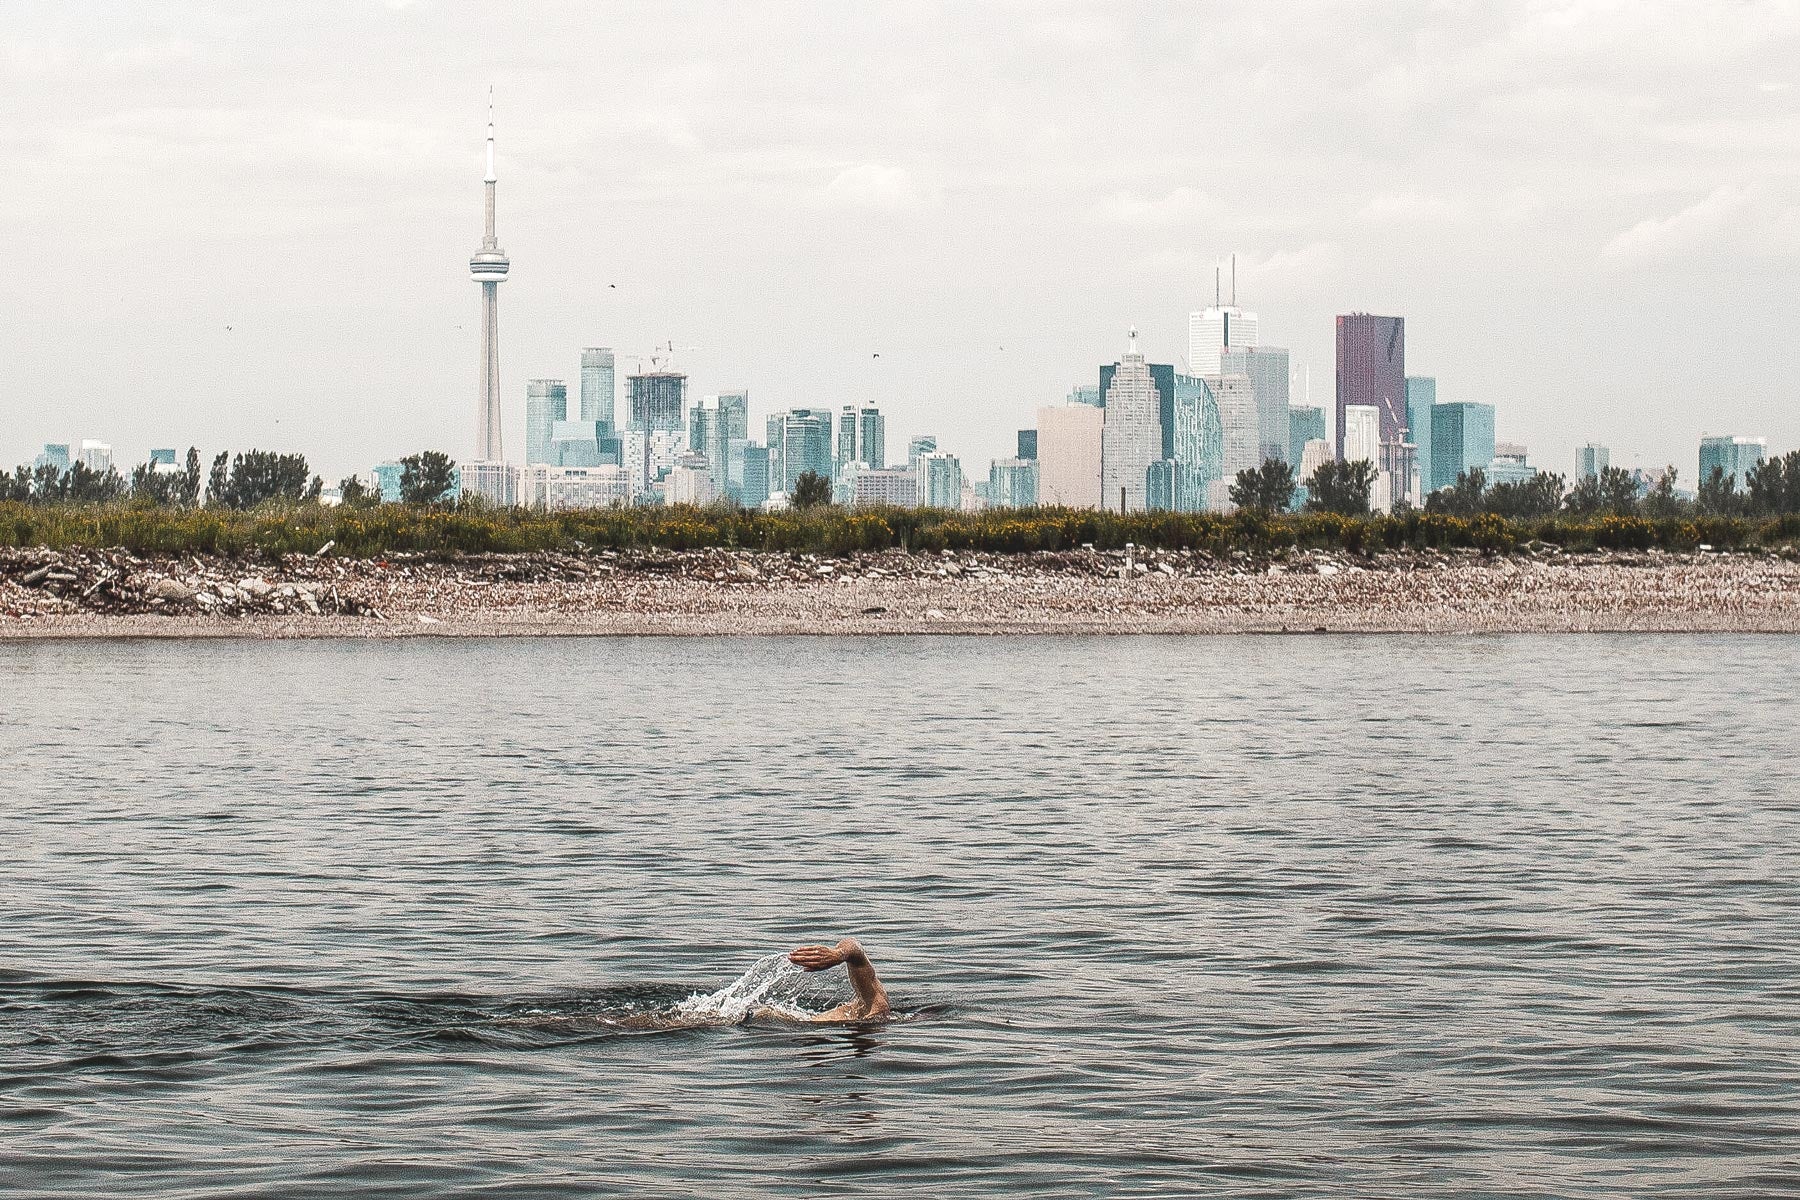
(239, 481)
(1344, 488)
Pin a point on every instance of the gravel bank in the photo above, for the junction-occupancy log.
(113, 594)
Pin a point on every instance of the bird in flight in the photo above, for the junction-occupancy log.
(228, 329)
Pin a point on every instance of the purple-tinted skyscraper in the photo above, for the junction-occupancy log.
(1371, 369)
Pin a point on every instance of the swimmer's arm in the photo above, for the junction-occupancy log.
(871, 997)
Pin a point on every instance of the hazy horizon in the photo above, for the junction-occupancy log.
(250, 226)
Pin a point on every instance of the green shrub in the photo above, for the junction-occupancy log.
(276, 529)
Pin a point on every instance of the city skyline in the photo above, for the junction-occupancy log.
(666, 209)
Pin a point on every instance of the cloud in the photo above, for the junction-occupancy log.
(1304, 264)
(1728, 215)
(1129, 208)
(878, 187)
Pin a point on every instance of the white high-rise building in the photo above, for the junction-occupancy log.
(1313, 455)
(1069, 455)
(96, 456)
(1131, 434)
(1362, 433)
(1212, 330)
(1241, 427)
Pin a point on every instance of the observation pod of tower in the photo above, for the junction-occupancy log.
(489, 265)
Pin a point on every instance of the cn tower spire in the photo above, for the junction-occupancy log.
(488, 268)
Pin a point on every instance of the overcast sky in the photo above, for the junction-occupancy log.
(249, 223)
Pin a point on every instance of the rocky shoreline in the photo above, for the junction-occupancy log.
(110, 593)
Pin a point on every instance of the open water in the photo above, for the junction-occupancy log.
(1284, 917)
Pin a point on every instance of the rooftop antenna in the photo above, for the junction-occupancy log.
(1234, 279)
(1217, 298)
(489, 177)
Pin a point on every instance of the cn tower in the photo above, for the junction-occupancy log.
(488, 268)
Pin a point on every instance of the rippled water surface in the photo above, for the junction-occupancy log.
(1239, 917)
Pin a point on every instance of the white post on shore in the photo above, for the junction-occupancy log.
(1130, 556)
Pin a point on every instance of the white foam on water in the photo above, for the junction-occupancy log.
(772, 982)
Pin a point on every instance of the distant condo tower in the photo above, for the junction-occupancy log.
(488, 268)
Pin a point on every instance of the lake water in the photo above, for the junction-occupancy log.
(1312, 916)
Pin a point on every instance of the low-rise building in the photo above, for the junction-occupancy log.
(559, 488)
(893, 487)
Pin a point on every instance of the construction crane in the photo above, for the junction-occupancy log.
(659, 355)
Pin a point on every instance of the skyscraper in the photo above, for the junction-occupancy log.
(56, 454)
(1462, 438)
(1069, 438)
(1027, 443)
(1591, 461)
(1421, 394)
(940, 480)
(861, 436)
(1267, 369)
(922, 443)
(546, 403)
(655, 400)
(871, 437)
(1162, 378)
(713, 425)
(799, 441)
(1212, 330)
(1306, 423)
(1240, 435)
(1362, 434)
(1013, 482)
(1735, 456)
(752, 475)
(734, 414)
(95, 455)
(599, 386)
(488, 268)
(1371, 372)
(1131, 435)
(1196, 446)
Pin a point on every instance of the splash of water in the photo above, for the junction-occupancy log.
(772, 982)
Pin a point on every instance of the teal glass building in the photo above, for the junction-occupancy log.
(1462, 437)
(1735, 456)
(546, 403)
(1421, 398)
(1306, 423)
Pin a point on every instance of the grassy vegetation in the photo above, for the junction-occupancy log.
(393, 528)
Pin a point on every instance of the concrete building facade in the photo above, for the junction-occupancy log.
(1069, 445)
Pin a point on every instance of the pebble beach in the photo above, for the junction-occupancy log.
(110, 593)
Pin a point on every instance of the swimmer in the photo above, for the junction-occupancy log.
(871, 1003)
